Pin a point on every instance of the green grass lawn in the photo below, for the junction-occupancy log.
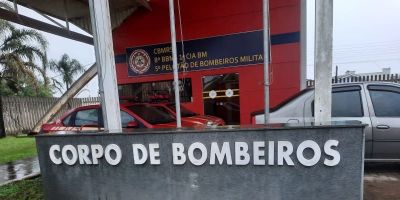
(22, 190)
(16, 148)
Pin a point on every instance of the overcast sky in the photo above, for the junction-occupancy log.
(366, 35)
(366, 38)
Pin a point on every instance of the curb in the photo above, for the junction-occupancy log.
(32, 176)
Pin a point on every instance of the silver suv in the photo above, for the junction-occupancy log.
(376, 104)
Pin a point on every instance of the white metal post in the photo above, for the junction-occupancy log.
(15, 6)
(323, 61)
(266, 59)
(103, 43)
(303, 44)
(175, 63)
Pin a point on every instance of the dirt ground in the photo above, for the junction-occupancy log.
(382, 182)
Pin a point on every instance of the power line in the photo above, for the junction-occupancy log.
(363, 61)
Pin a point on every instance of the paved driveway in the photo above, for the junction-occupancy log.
(382, 182)
(18, 170)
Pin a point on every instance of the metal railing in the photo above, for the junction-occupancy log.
(395, 78)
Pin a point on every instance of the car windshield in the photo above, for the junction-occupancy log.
(151, 114)
(184, 112)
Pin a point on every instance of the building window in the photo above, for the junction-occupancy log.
(160, 91)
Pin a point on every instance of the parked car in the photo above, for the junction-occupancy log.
(190, 116)
(90, 118)
(375, 104)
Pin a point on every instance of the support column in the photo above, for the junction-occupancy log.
(323, 61)
(303, 45)
(103, 43)
(175, 64)
(266, 59)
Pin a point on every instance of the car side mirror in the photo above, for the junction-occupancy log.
(132, 124)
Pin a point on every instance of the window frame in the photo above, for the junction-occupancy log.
(343, 89)
(73, 124)
(385, 88)
(134, 119)
(71, 117)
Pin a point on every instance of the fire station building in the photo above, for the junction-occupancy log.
(220, 55)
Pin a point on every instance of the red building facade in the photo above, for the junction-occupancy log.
(220, 73)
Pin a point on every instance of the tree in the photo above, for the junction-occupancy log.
(22, 58)
(24, 89)
(68, 68)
